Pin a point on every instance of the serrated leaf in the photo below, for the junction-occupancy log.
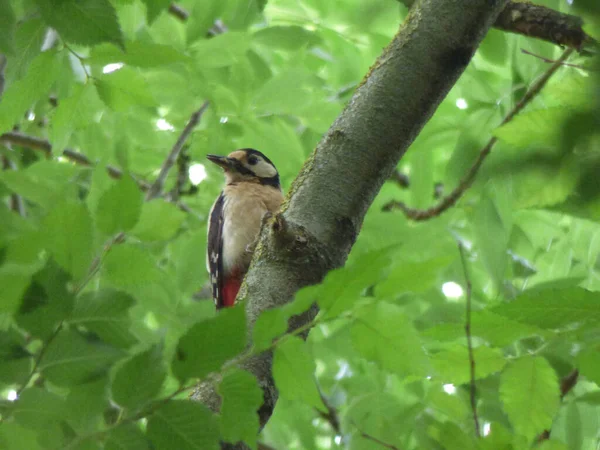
(242, 397)
(126, 437)
(138, 54)
(553, 308)
(269, 325)
(105, 312)
(37, 407)
(534, 128)
(453, 365)
(139, 379)
(342, 288)
(291, 38)
(119, 207)
(154, 8)
(85, 405)
(15, 437)
(207, 345)
(69, 236)
(20, 95)
(124, 88)
(294, 372)
(222, 50)
(588, 363)
(71, 359)
(72, 113)
(183, 425)
(8, 27)
(159, 221)
(129, 267)
(384, 334)
(84, 22)
(497, 330)
(530, 394)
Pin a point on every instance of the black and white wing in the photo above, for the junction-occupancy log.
(214, 250)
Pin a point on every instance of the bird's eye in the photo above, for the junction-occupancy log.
(252, 160)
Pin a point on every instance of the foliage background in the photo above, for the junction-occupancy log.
(104, 326)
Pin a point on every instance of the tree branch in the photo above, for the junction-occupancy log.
(566, 385)
(473, 387)
(539, 22)
(374, 439)
(178, 12)
(327, 203)
(465, 183)
(157, 187)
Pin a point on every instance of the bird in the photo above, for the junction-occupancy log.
(252, 190)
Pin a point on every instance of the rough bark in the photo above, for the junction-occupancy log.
(539, 22)
(324, 210)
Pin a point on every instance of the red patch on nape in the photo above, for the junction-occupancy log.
(231, 287)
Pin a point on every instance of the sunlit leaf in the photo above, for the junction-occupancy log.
(119, 207)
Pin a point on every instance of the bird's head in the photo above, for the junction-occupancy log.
(247, 165)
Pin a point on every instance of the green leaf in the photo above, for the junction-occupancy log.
(412, 276)
(124, 88)
(8, 27)
(138, 54)
(126, 437)
(13, 282)
(154, 8)
(588, 363)
(105, 313)
(286, 93)
(84, 22)
(16, 360)
(72, 113)
(207, 345)
(23, 93)
(343, 287)
(183, 425)
(119, 207)
(242, 397)
(222, 50)
(383, 333)
(494, 47)
(269, 325)
(15, 437)
(69, 236)
(553, 308)
(294, 372)
(159, 221)
(71, 359)
(291, 38)
(534, 129)
(129, 267)
(85, 405)
(453, 365)
(139, 379)
(530, 394)
(37, 407)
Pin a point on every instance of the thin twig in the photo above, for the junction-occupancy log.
(374, 439)
(40, 355)
(331, 416)
(465, 183)
(473, 387)
(552, 61)
(182, 176)
(401, 179)
(157, 187)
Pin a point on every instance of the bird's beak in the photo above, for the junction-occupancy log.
(222, 161)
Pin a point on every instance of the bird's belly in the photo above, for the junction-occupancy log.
(239, 233)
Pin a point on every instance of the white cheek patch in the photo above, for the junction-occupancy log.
(264, 170)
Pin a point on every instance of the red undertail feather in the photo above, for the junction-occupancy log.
(231, 288)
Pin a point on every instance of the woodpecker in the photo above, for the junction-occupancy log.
(252, 189)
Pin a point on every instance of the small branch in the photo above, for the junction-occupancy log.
(374, 439)
(218, 28)
(401, 179)
(182, 176)
(552, 61)
(157, 187)
(465, 183)
(178, 12)
(473, 387)
(331, 416)
(40, 355)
